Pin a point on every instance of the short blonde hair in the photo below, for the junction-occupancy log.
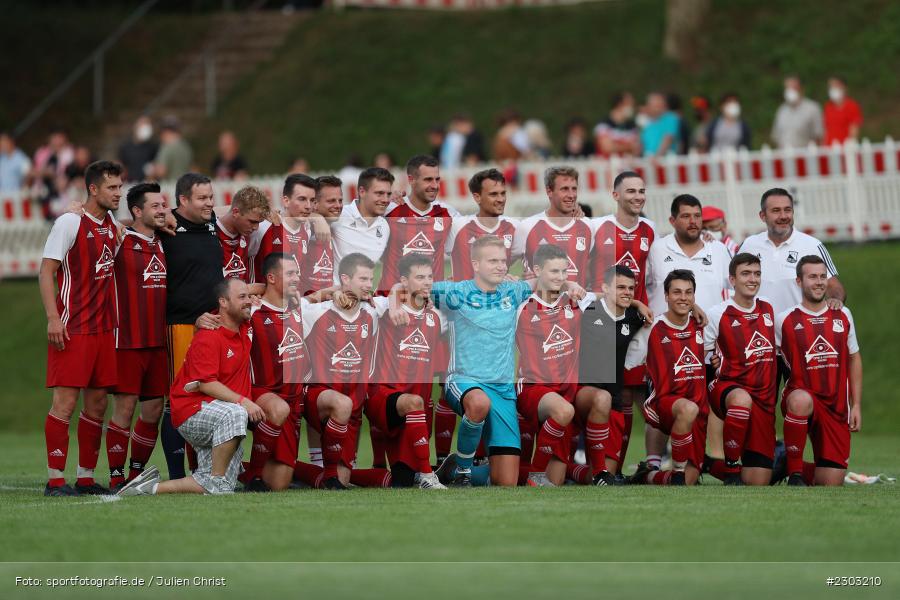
(484, 242)
(250, 198)
(552, 173)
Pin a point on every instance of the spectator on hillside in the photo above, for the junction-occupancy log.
(175, 156)
(798, 121)
(137, 152)
(14, 164)
(578, 143)
(228, 163)
(48, 175)
(729, 130)
(702, 118)
(618, 134)
(435, 140)
(660, 134)
(683, 138)
(843, 116)
(511, 139)
(384, 160)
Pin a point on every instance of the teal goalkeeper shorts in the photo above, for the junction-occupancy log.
(501, 428)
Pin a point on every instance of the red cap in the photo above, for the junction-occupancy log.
(711, 212)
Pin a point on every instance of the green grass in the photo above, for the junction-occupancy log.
(371, 81)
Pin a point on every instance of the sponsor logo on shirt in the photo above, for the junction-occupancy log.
(290, 342)
(155, 270)
(348, 356)
(415, 341)
(688, 360)
(820, 349)
(557, 339)
(757, 346)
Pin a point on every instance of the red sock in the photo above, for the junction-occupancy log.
(56, 433)
(659, 477)
(549, 444)
(143, 439)
(596, 436)
(415, 435)
(809, 473)
(377, 478)
(681, 449)
(90, 438)
(116, 451)
(265, 436)
(311, 475)
(737, 420)
(334, 435)
(794, 441)
(720, 470)
(524, 471)
(526, 440)
(379, 447)
(626, 433)
(444, 425)
(579, 473)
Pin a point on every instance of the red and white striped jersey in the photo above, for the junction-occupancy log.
(575, 237)
(617, 245)
(674, 358)
(318, 270)
(271, 238)
(279, 360)
(463, 234)
(140, 283)
(547, 340)
(235, 254)
(413, 231)
(86, 250)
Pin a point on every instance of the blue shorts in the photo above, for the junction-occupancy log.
(501, 427)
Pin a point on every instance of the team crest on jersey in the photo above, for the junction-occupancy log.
(105, 261)
(323, 264)
(348, 356)
(625, 329)
(429, 319)
(687, 360)
(364, 332)
(506, 303)
(820, 349)
(758, 345)
(567, 312)
(155, 269)
(628, 261)
(415, 341)
(557, 339)
(243, 242)
(290, 342)
(837, 326)
(645, 244)
(767, 319)
(698, 337)
(707, 260)
(507, 240)
(378, 232)
(234, 266)
(419, 243)
(439, 223)
(303, 246)
(792, 257)
(580, 244)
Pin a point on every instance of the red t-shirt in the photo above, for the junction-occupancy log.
(839, 119)
(219, 355)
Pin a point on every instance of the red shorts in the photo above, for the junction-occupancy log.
(143, 372)
(528, 396)
(87, 361)
(635, 377)
(616, 435)
(311, 412)
(829, 431)
(398, 448)
(761, 429)
(288, 444)
(658, 413)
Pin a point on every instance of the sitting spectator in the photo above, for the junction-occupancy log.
(715, 226)
(618, 133)
(137, 153)
(14, 164)
(511, 140)
(842, 114)
(229, 164)
(578, 143)
(660, 135)
(175, 156)
(48, 176)
(728, 130)
(798, 121)
(384, 160)
(702, 119)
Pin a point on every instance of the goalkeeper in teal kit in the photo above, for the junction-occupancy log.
(480, 385)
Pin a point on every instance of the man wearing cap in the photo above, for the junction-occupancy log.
(715, 227)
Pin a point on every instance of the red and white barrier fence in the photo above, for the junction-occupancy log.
(843, 193)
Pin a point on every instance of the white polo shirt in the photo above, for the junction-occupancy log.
(709, 265)
(779, 265)
(352, 233)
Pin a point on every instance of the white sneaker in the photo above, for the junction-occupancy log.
(539, 480)
(142, 485)
(429, 481)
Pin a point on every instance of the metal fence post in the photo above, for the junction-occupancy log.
(210, 70)
(98, 84)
